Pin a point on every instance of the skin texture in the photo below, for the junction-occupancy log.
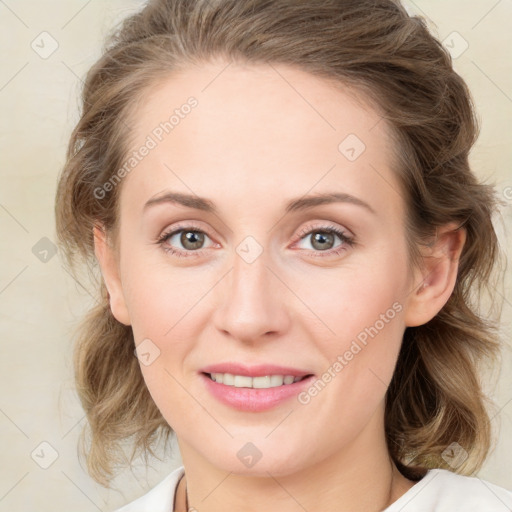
(259, 137)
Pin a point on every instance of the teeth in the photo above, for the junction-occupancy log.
(242, 381)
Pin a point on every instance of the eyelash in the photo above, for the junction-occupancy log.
(346, 240)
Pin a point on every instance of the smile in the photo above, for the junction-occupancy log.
(243, 381)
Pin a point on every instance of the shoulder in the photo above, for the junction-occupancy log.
(160, 498)
(441, 490)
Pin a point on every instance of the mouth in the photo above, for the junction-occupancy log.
(256, 388)
(255, 382)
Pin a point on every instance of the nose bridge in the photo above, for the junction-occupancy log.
(251, 298)
(250, 275)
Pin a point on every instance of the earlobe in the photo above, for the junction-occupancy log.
(435, 281)
(105, 254)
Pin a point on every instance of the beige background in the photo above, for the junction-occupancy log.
(40, 302)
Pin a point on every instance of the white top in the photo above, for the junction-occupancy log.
(439, 490)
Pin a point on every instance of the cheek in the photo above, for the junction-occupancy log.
(359, 358)
(342, 303)
(161, 299)
(358, 322)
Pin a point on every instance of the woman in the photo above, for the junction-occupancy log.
(289, 235)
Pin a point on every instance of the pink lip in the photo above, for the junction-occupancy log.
(250, 399)
(254, 371)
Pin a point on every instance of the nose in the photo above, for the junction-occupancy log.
(252, 302)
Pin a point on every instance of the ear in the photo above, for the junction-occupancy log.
(435, 281)
(108, 261)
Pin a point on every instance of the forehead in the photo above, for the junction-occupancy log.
(257, 131)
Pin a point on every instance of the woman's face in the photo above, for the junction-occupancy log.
(255, 281)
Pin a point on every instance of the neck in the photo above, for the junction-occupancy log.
(357, 478)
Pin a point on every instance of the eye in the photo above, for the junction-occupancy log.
(323, 238)
(182, 240)
(189, 241)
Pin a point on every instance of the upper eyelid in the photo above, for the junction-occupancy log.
(191, 224)
(184, 225)
(309, 228)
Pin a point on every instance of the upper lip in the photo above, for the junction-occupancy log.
(259, 370)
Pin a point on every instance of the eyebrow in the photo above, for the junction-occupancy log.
(299, 204)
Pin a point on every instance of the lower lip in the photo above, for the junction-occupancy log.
(251, 399)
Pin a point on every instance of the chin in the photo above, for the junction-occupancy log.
(254, 459)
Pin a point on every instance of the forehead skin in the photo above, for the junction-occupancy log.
(258, 136)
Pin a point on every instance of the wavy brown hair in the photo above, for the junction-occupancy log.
(436, 395)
